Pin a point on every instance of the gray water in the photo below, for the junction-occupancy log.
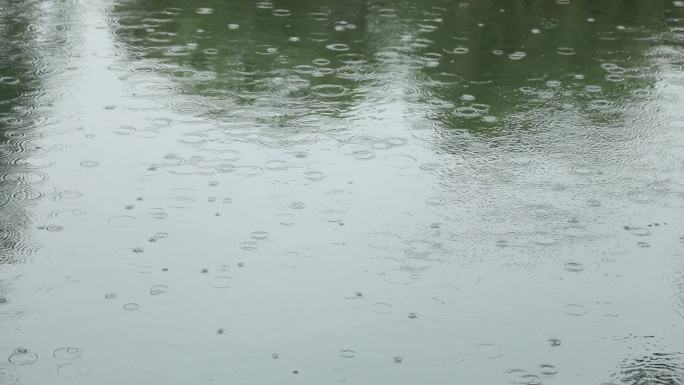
(363, 192)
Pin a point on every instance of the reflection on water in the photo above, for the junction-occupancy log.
(385, 191)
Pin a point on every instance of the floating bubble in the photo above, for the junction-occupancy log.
(574, 267)
(520, 376)
(67, 353)
(347, 353)
(329, 90)
(575, 310)
(364, 155)
(313, 175)
(158, 289)
(337, 47)
(260, 235)
(281, 12)
(517, 55)
(131, 306)
(90, 163)
(548, 370)
(22, 356)
(54, 228)
(249, 246)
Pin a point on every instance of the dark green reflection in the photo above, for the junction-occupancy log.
(486, 67)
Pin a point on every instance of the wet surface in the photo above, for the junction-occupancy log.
(360, 191)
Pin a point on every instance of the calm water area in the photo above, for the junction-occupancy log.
(324, 192)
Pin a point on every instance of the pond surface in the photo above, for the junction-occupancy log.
(380, 191)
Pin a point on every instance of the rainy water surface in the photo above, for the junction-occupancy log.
(378, 191)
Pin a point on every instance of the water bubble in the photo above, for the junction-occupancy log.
(467, 112)
(158, 289)
(575, 310)
(520, 376)
(412, 315)
(457, 50)
(90, 163)
(567, 51)
(517, 55)
(67, 353)
(574, 267)
(249, 246)
(54, 228)
(22, 356)
(329, 90)
(554, 342)
(347, 353)
(221, 282)
(548, 369)
(281, 12)
(340, 47)
(131, 306)
(260, 235)
(313, 175)
(364, 155)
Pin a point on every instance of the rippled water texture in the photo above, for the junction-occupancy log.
(369, 192)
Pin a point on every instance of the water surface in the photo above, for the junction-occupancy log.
(386, 192)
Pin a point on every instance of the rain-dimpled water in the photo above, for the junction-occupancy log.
(361, 192)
